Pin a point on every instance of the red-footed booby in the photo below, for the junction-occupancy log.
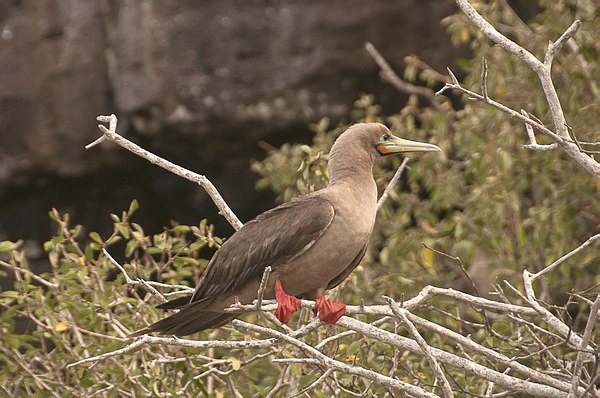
(311, 244)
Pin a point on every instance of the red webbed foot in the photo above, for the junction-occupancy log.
(329, 311)
(286, 304)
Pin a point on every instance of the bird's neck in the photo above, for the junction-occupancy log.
(347, 167)
(353, 175)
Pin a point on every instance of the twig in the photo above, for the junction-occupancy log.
(261, 288)
(565, 257)
(533, 145)
(315, 383)
(129, 348)
(233, 388)
(32, 274)
(435, 367)
(334, 364)
(488, 353)
(148, 285)
(455, 85)
(553, 48)
(201, 180)
(543, 71)
(587, 334)
(392, 182)
(484, 74)
(548, 317)
(507, 381)
(388, 75)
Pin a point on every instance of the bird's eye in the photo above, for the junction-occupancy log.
(385, 137)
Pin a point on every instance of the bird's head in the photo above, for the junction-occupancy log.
(388, 144)
(359, 147)
(369, 136)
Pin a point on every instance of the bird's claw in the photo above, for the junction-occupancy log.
(286, 304)
(329, 311)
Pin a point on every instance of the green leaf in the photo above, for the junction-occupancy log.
(113, 240)
(181, 228)
(179, 261)
(123, 230)
(197, 246)
(353, 348)
(7, 246)
(133, 207)
(95, 236)
(86, 383)
(306, 380)
(501, 328)
(12, 340)
(131, 245)
(10, 294)
(54, 215)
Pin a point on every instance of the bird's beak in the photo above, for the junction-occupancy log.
(398, 145)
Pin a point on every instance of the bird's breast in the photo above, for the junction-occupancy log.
(334, 251)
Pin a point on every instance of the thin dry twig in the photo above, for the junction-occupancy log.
(435, 366)
(392, 183)
(585, 340)
(556, 324)
(261, 288)
(544, 72)
(388, 75)
(323, 359)
(533, 145)
(562, 259)
(111, 134)
(30, 273)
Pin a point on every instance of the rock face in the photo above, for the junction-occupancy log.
(198, 82)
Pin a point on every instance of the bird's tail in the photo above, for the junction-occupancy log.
(190, 319)
(177, 303)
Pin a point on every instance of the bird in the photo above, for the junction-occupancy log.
(311, 243)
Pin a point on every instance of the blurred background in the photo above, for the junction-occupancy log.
(201, 83)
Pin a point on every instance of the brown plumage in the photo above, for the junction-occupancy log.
(311, 243)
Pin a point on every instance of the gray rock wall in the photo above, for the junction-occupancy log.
(199, 82)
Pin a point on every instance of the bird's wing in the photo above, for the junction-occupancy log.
(348, 270)
(271, 239)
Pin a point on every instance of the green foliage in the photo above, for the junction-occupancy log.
(84, 306)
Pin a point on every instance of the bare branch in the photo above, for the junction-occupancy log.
(392, 182)
(388, 75)
(509, 382)
(487, 29)
(111, 134)
(565, 257)
(548, 317)
(435, 367)
(501, 107)
(334, 364)
(543, 71)
(587, 334)
(420, 300)
(484, 74)
(129, 348)
(261, 288)
(555, 47)
(533, 145)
